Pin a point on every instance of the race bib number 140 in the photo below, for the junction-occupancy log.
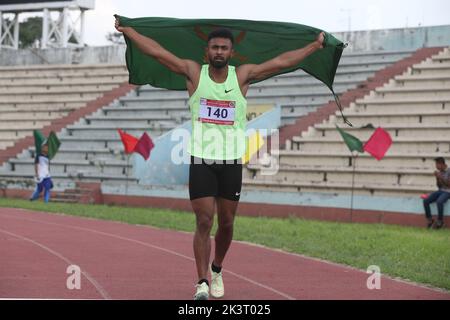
(217, 112)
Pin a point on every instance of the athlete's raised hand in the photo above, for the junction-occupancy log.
(320, 39)
(117, 24)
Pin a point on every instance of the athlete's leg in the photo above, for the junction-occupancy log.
(230, 184)
(226, 211)
(204, 212)
(202, 192)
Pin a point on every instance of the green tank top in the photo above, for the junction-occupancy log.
(219, 116)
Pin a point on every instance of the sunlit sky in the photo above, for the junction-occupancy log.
(332, 16)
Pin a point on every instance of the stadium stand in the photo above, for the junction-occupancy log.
(413, 107)
(298, 93)
(91, 148)
(32, 96)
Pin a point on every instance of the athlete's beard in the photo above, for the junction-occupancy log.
(219, 64)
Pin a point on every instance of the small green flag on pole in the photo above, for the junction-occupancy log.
(39, 140)
(53, 145)
(52, 142)
(353, 143)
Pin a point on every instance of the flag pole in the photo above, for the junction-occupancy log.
(354, 157)
(128, 168)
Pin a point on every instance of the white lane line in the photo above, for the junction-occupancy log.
(97, 286)
(239, 276)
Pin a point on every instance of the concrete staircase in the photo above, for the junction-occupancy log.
(414, 108)
(91, 147)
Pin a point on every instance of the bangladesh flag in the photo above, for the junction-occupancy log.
(255, 42)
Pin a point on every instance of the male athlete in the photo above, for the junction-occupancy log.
(218, 105)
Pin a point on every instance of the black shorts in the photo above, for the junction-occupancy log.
(212, 178)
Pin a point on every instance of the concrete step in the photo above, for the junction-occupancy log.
(256, 90)
(61, 83)
(52, 90)
(17, 123)
(368, 189)
(60, 67)
(356, 75)
(410, 93)
(344, 159)
(174, 112)
(407, 145)
(26, 179)
(33, 106)
(109, 132)
(132, 119)
(45, 96)
(388, 102)
(319, 172)
(20, 102)
(414, 118)
(119, 77)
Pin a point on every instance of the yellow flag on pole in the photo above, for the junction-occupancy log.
(254, 144)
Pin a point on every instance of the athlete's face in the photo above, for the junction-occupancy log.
(219, 51)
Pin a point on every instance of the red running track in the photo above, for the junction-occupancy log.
(121, 261)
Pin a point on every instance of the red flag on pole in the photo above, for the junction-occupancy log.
(144, 146)
(129, 142)
(378, 144)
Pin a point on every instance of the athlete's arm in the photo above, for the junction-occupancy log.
(188, 68)
(251, 72)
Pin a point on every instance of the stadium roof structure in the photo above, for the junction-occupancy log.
(13, 6)
(60, 33)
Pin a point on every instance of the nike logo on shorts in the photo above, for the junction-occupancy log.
(238, 194)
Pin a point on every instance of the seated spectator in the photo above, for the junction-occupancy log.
(441, 196)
